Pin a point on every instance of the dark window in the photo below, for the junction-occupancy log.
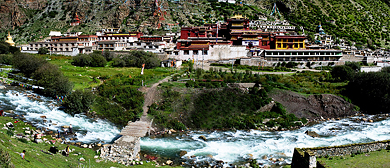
(195, 52)
(205, 52)
(186, 52)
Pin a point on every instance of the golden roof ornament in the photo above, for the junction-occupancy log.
(9, 40)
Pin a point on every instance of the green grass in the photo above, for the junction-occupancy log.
(374, 159)
(173, 84)
(83, 77)
(36, 158)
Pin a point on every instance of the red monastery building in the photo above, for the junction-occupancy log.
(75, 21)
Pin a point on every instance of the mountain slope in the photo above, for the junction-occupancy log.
(365, 22)
(361, 21)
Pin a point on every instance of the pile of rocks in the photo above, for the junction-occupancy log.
(125, 151)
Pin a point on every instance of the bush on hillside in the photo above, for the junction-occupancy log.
(370, 91)
(5, 48)
(43, 50)
(92, 60)
(79, 101)
(52, 79)
(342, 73)
(136, 59)
(6, 59)
(27, 64)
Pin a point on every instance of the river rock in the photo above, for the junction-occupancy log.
(370, 121)
(364, 119)
(265, 157)
(280, 159)
(272, 159)
(85, 146)
(99, 144)
(172, 130)
(182, 153)
(210, 156)
(82, 159)
(312, 134)
(169, 162)
(203, 137)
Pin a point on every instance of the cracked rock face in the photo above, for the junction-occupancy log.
(313, 106)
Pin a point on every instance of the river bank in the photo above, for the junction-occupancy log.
(225, 147)
(268, 147)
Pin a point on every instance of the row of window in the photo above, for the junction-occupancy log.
(290, 40)
(195, 52)
(301, 53)
(296, 45)
(303, 59)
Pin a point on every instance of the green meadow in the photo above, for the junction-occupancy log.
(89, 77)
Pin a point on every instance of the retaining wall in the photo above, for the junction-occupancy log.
(306, 157)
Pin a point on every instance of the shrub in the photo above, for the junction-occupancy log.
(93, 60)
(118, 62)
(27, 64)
(43, 50)
(23, 140)
(5, 159)
(79, 101)
(342, 73)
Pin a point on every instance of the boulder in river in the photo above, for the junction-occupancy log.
(182, 153)
(203, 137)
(312, 134)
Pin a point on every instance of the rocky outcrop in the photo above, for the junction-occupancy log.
(312, 134)
(313, 106)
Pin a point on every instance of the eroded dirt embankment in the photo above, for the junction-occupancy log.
(313, 106)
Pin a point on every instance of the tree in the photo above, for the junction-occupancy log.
(79, 101)
(310, 36)
(43, 50)
(118, 62)
(51, 78)
(27, 64)
(342, 73)
(354, 65)
(97, 60)
(4, 47)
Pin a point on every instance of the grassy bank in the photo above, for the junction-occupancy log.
(37, 155)
(375, 159)
(87, 77)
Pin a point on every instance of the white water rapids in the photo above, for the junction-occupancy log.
(87, 130)
(229, 146)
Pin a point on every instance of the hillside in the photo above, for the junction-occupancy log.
(362, 21)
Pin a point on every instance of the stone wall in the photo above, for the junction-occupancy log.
(306, 157)
(125, 150)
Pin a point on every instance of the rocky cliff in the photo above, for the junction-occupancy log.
(313, 106)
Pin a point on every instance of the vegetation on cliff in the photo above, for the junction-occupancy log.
(362, 21)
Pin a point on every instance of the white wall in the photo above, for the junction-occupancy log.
(215, 52)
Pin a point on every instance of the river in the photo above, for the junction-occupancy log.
(228, 146)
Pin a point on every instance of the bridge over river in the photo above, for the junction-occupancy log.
(134, 130)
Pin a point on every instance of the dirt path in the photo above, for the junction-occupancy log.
(150, 94)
